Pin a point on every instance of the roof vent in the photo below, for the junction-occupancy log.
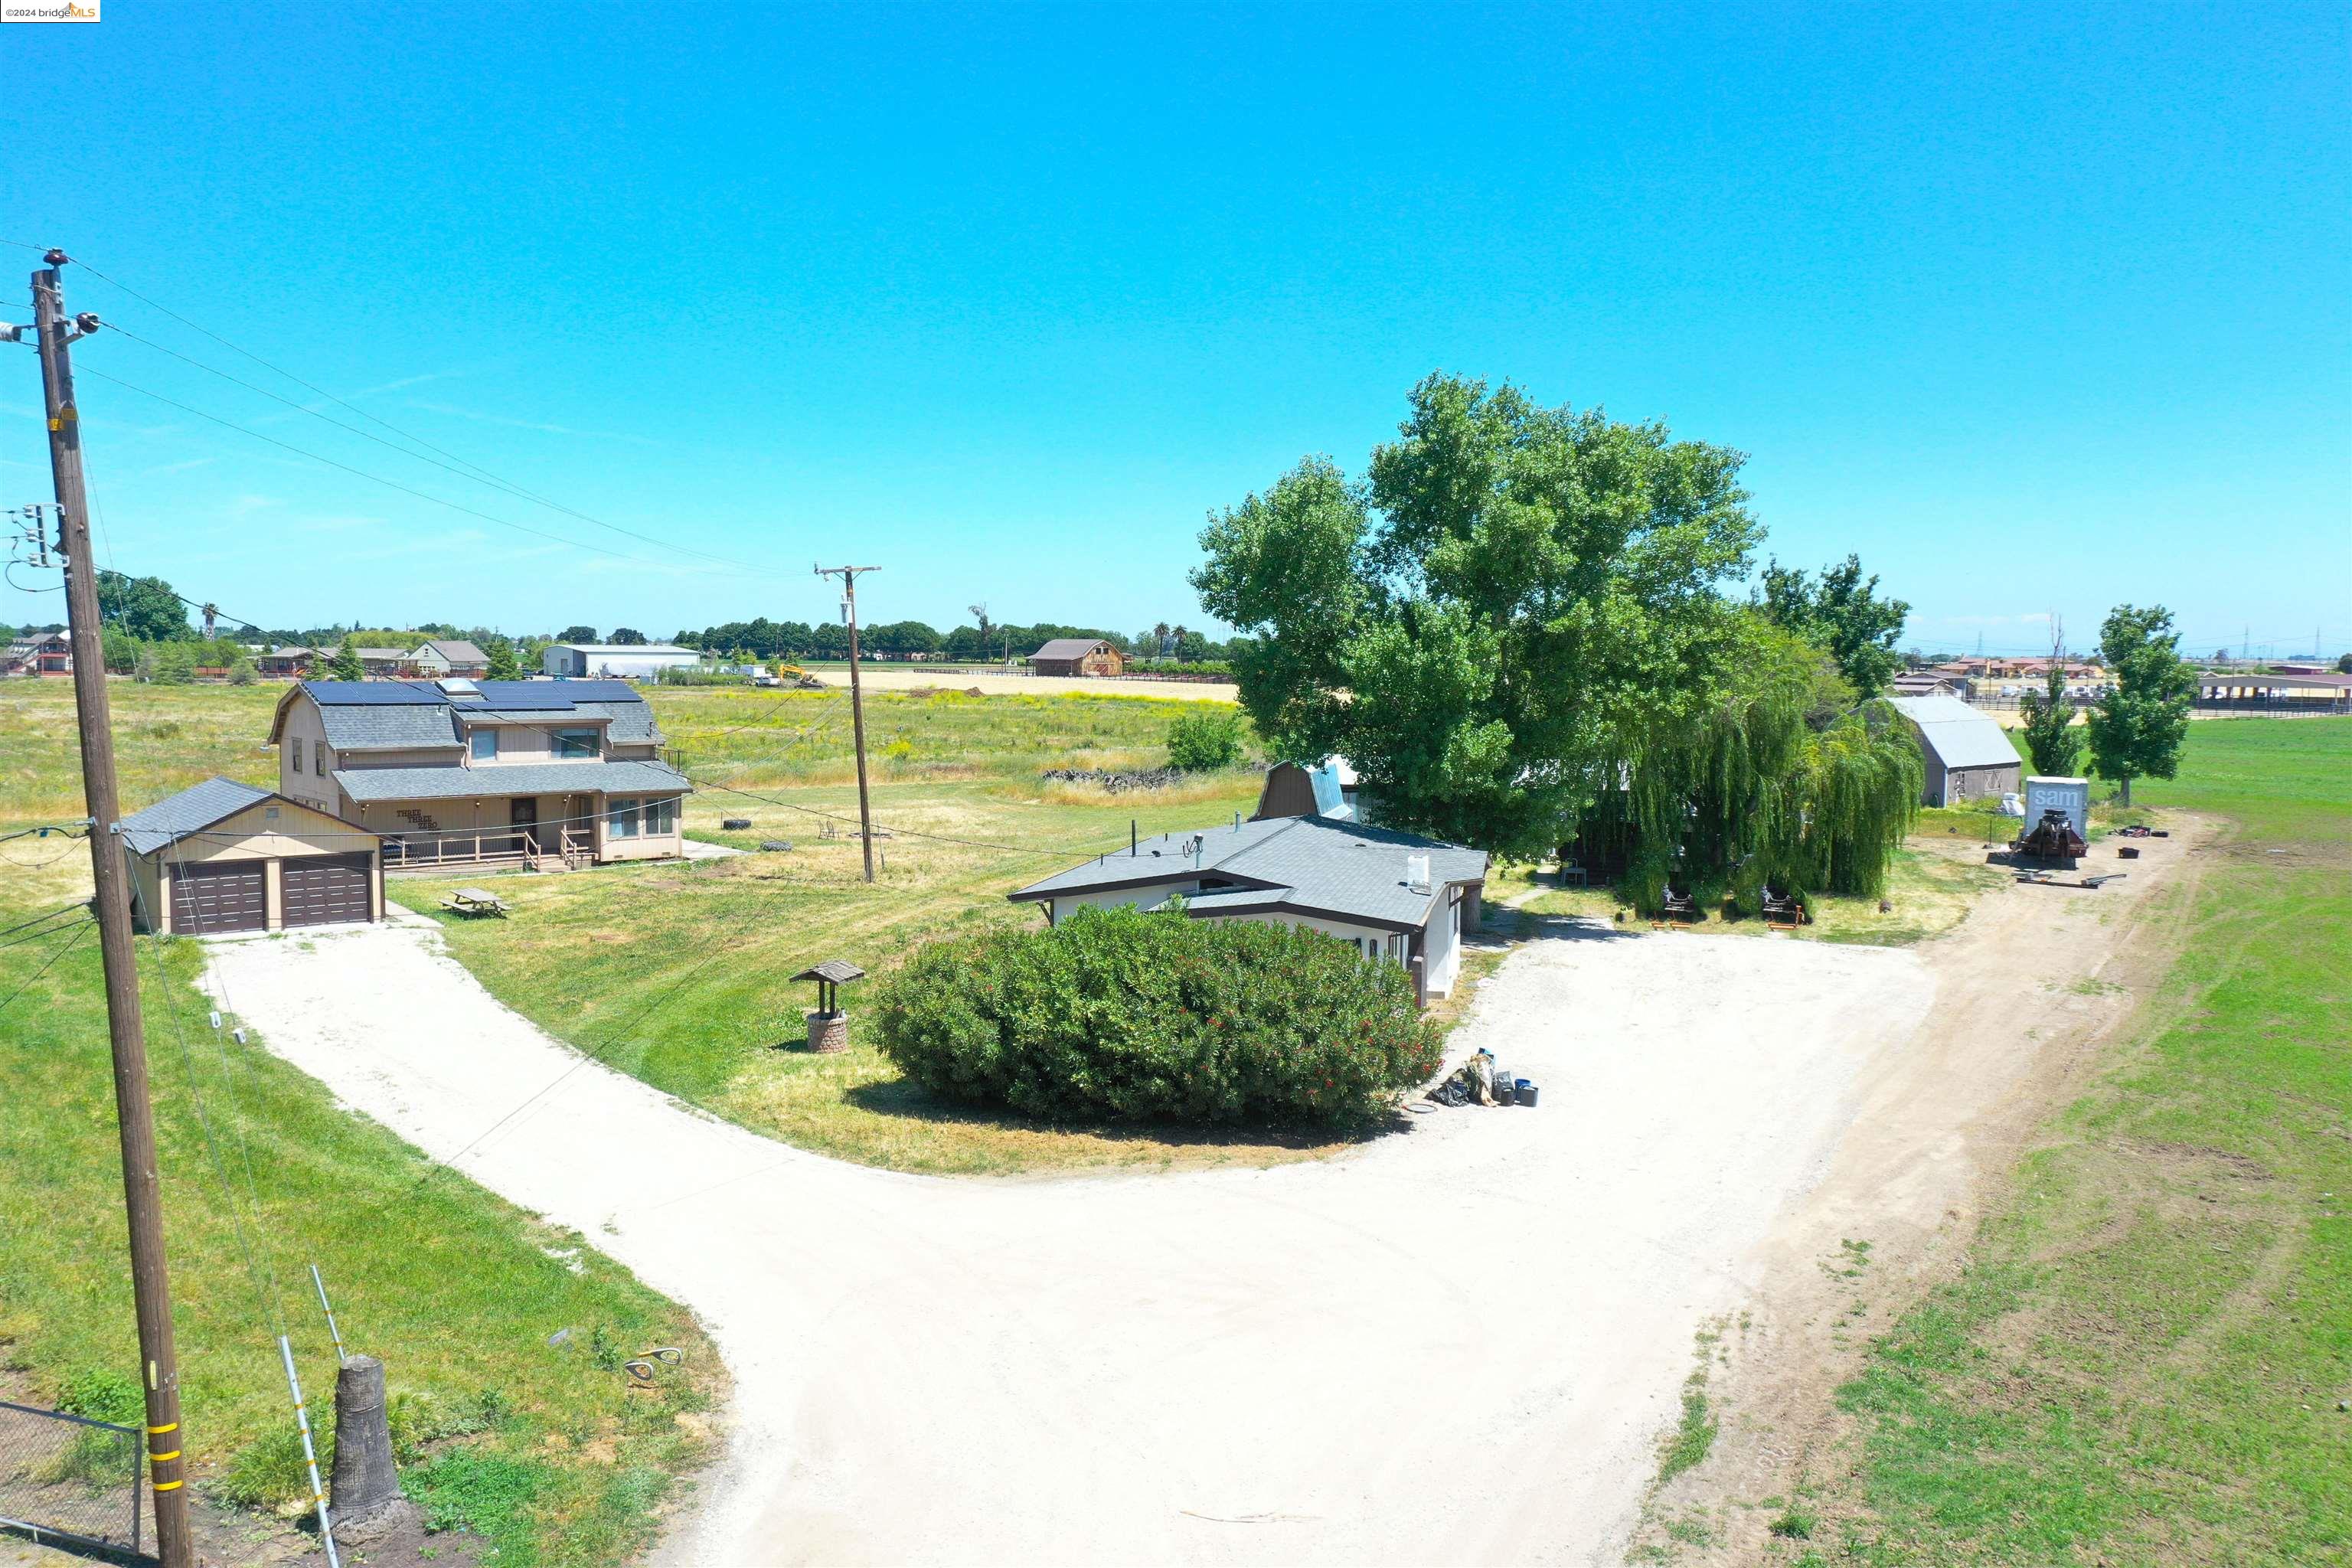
(1416, 873)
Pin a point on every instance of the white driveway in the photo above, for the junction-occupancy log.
(1458, 1345)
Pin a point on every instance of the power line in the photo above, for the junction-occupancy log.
(39, 935)
(460, 466)
(79, 932)
(363, 473)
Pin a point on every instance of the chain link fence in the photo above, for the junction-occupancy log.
(70, 1479)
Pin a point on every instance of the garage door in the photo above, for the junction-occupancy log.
(328, 888)
(222, 897)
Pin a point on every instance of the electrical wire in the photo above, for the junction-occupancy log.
(39, 935)
(372, 478)
(467, 471)
(39, 920)
(79, 932)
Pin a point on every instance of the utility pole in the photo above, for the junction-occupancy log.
(848, 575)
(150, 1286)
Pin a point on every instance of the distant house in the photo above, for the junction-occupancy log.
(1078, 655)
(616, 661)
(1967, 754)
(47, 653)
(534, 773)
(387, 663)
(287, 661)
(1925, 683)
(226, 857)
(1394, 896)
(444, 657)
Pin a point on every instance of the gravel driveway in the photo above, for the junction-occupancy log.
(1458, 1345)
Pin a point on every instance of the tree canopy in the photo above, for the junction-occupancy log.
(2136, 729)
(1508, 589)
(146, 607)
(1845, 615)
(2051, 742)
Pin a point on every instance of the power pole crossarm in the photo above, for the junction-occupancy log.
(141, 1186)
(848, 575)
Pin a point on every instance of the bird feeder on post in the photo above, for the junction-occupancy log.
(828, 1026)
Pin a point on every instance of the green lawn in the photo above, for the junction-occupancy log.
(540, 1447)
(681, 975)
(2146, 1359)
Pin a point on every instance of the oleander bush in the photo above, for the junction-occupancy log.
(1125, 1015)
(1204, 739)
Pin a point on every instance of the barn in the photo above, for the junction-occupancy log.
(227, 857)
(1077, 655)
(1967, 754)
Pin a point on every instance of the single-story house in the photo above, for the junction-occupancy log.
(227, 857)
(1078, 655)
(1924, 683)
(1396, 896)
(544, 773)
(618, 661)
(389, 663)
(1967, 754)
(451, 656)
(287, 661)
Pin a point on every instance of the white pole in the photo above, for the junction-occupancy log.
(310, 1455)
(334, 1333)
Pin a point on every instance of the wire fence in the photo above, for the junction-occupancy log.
(70, 1479)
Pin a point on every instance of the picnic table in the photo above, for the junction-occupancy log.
(473, 901)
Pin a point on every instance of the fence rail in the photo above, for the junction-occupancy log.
(70, 1479)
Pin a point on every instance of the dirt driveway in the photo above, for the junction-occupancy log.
(1458, 1345)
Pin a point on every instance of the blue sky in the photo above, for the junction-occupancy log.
(2037, 310)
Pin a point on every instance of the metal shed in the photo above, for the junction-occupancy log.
(224, 857)
(1967, 754)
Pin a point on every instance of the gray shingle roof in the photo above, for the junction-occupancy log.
(371, 785)
(1309, 863)
(387, 727)
(1956, 734)
(191, 810)
(458, 652)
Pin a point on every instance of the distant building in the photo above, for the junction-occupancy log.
(451, 656)
(1078, 655)
(295, 662)
(615, 661)
(386, 663)
(49, 653)
(1926, 683)
(1967, 754)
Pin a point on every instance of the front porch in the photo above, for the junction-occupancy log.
(537, 833)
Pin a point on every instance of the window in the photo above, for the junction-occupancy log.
(661, 817)
(621, 817)
(577, 744)
(485, 743)
(297, 753)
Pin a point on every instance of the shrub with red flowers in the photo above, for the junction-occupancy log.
(1158, 1017)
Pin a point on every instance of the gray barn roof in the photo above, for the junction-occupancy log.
(193, 810)
(457, 651)
(1307, 863)
(371, 785)
(1069, 647)
(1956, 734)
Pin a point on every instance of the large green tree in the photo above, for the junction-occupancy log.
(2052, 741)
(2136, 729)
(346, 665)
(144, 607)
(1508, 588)
(1843, 614)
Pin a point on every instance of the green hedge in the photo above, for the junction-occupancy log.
(1158, 1017)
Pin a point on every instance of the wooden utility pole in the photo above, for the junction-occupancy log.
(848, 575)
(151, 1287)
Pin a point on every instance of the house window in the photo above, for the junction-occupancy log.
(575, 743)
(297, 753)
(620, 816)
(486, 744)
(661, 817)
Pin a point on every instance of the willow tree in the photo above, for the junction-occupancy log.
(1507, 590)
(1779, 781)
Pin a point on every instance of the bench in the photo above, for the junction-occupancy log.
(1677, 906)
(473, 902)
(1783, 910)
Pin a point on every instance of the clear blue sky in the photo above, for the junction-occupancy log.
(2035, 307)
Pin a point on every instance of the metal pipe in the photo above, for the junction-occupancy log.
(310, 1454)
(334, 1333)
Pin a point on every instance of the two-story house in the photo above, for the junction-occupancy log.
(532, 772)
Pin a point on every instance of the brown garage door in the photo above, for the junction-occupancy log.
(328, 888)
(225, 896)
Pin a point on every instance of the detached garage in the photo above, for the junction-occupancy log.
(227, 857)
